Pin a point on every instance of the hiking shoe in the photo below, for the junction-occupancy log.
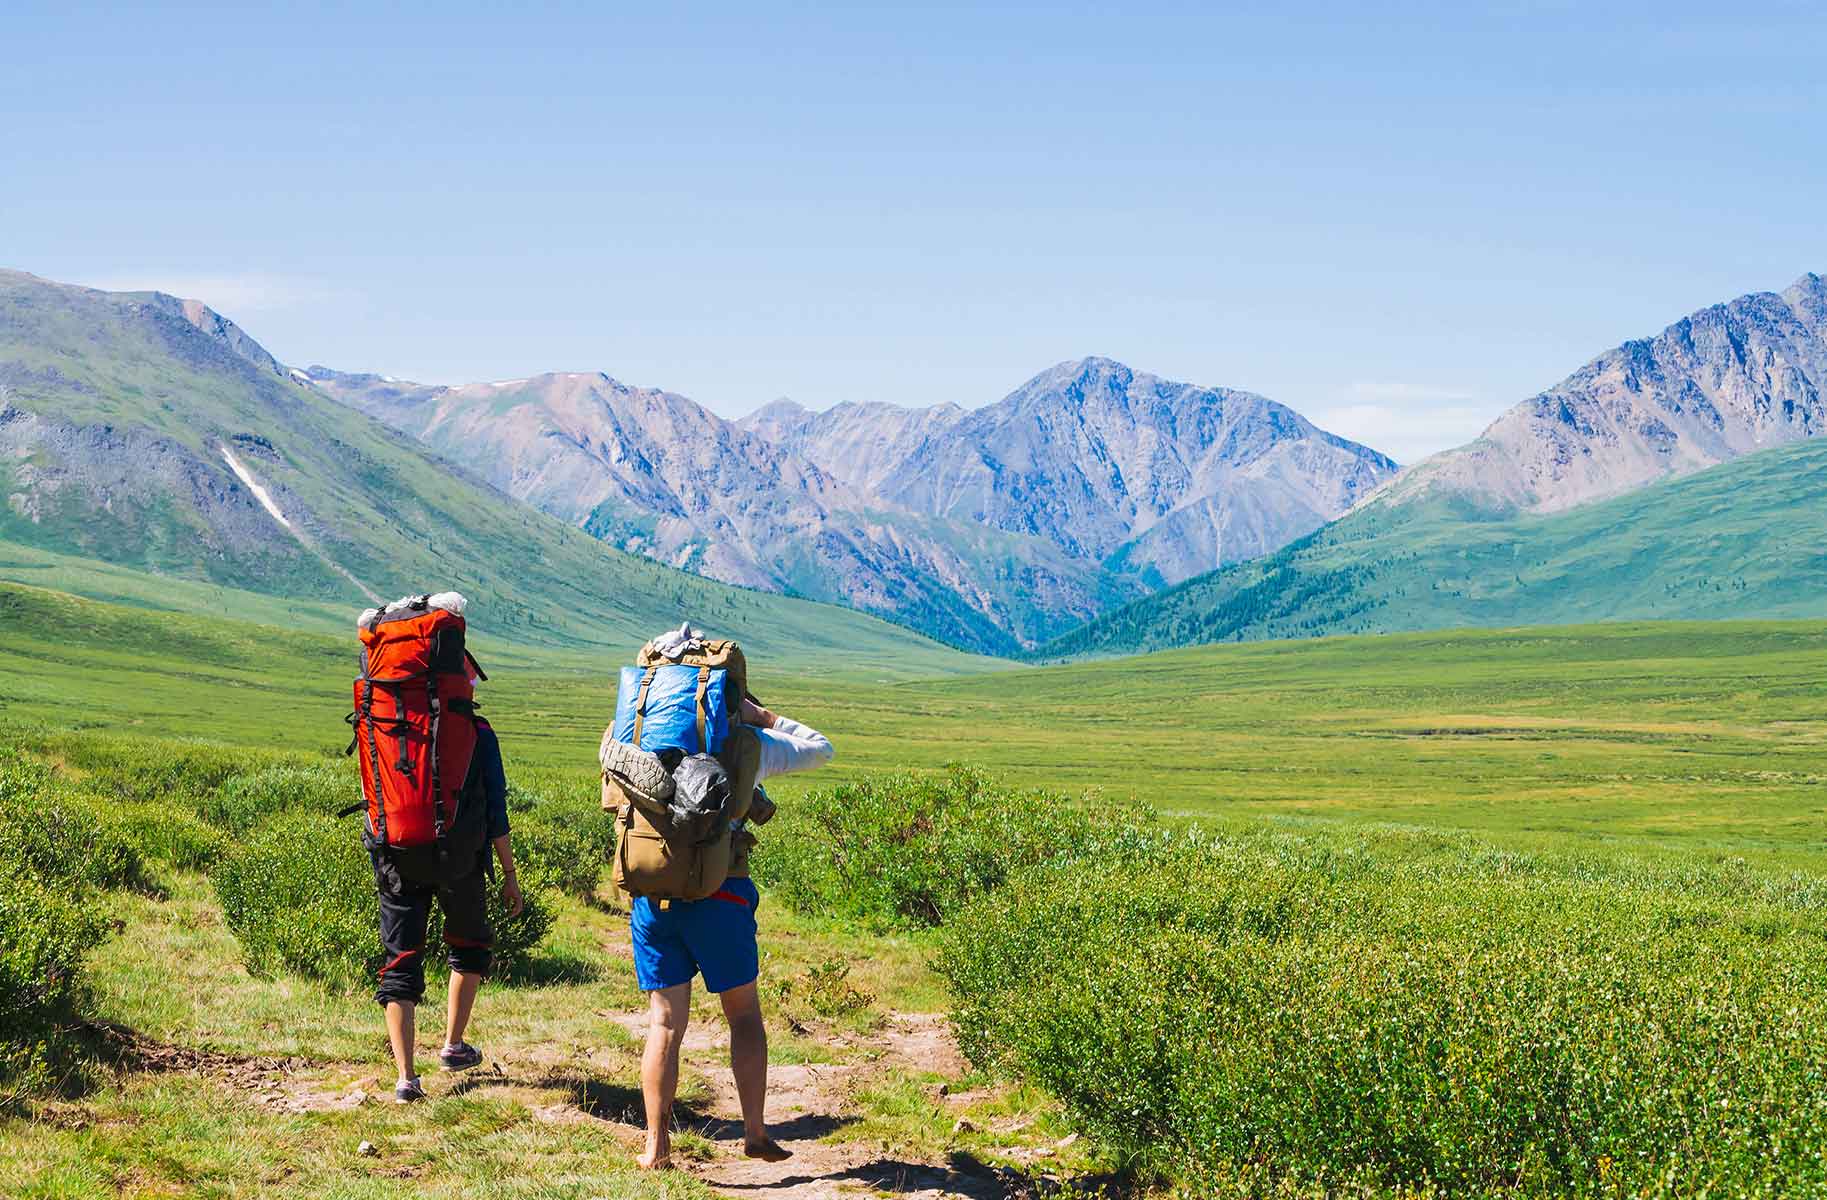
(411, 1090)
(460, 1057)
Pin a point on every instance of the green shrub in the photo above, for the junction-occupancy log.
(58, 836)
(22, 776)
(561, 832)
(155, 770)
(912, 850)
(243, 801)
(521, 798)
(516, 938)
(824, 989)
(567, 852)
(168, 835)
(58, 849)
(299, 895)
(1264, 1015)
(44, 934)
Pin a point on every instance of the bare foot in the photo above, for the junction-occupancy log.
(767, 1150)
(653, 1160)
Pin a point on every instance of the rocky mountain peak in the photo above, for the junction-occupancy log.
(783, 408)
(781, 420)
(1722, 382)
(1808, 297)
(218, 328)
(1104, 460)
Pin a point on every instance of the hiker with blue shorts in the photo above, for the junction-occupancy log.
(714, 938)
(682, 766)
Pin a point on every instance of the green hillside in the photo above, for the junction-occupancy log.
(1746, 539)
(116, 410)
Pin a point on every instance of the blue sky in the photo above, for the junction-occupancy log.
(1399, 219)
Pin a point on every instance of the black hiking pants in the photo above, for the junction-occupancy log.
(405, 912)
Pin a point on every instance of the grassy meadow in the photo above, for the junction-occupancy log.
(1496, 913)
(1703, 736)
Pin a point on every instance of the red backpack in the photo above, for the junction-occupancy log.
(414, 720)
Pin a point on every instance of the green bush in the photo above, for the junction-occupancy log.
(516, 938)
(564, 854)
(155, 770)
(912, 850)
(522, 798)
(44, 934)
(55, 853)
(243, 801)
(824, 990)
(561, 832)
(299, 896)
(568, 851)
(168, 835)
(1263, 1015)
(57, 836)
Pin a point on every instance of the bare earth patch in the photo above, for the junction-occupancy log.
(810, 1105)
(292, 1084)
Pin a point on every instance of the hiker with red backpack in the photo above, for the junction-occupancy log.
(682, 767)
(436, 799)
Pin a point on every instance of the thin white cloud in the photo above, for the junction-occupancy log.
(1407, 421)
(230, 295)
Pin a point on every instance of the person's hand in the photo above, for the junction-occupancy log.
(510, 895)
(754, 714)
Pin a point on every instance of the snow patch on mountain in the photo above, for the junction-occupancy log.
(253, 485)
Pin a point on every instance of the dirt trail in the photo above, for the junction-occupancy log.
(810, 1103)
(283, 1084)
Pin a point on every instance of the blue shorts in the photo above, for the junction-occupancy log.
(715, 936)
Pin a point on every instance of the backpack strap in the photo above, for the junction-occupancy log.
(403, 763)
(640, 702)
(704, 674)
(437, 790)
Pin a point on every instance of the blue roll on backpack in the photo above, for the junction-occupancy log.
(673, 708)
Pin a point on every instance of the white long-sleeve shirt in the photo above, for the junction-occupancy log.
(789, 746)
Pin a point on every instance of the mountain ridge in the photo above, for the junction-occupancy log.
(1729, 403)
(1726, 380)
(860, 441)
(820, 503)
(653, 473)
(122, 419)
(1133, 458)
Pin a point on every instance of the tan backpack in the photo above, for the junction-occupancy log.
(663, 861)
(655, 858)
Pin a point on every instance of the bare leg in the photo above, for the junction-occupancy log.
(749, 1064)
(463, 985)
(668, 1011)
(400, 1034)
